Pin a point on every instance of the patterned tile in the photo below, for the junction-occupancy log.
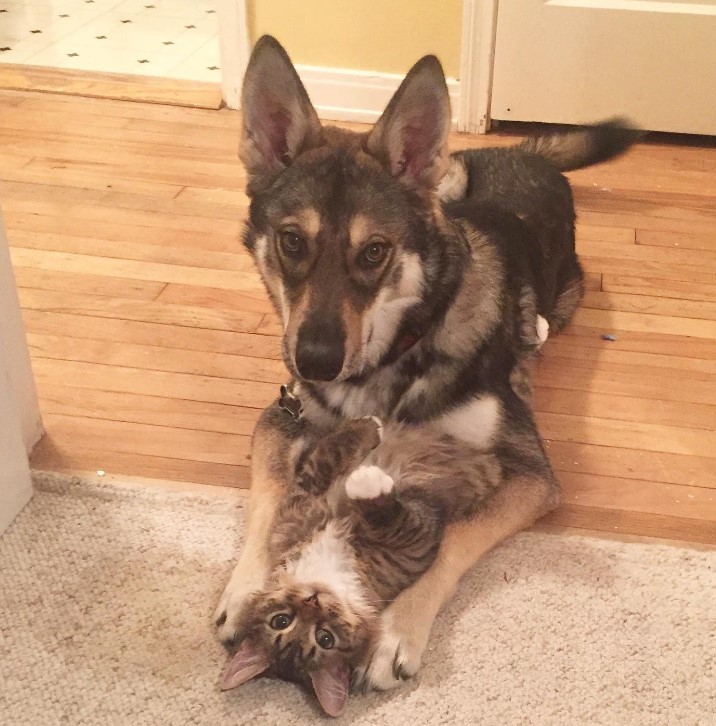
(146, 37)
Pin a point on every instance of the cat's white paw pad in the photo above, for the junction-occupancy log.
(368, 482)
(542, 329)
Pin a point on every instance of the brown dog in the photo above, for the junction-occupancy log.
(410, 285)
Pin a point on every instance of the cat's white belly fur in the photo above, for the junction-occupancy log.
(328, 562)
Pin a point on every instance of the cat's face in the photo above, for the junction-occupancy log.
(307, 634)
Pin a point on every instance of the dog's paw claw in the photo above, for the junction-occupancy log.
(393, 661)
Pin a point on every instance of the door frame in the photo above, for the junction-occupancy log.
(477, 58)
(479, 22)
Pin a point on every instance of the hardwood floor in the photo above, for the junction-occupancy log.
(154, 346)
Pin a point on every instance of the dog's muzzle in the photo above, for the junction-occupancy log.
(320, 349)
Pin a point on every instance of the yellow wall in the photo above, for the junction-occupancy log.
(374, 35)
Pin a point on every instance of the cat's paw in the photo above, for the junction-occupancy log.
(230, 611)
(378, 423)
(396, 658)
(368, 482)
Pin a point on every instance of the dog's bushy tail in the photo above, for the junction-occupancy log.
(585, 145)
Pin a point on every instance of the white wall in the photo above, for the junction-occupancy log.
(20, 422)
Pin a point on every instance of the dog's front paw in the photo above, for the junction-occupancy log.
(396, 657)
(231, 610)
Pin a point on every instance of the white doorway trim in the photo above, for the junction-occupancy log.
(234, 48)
(479, 21)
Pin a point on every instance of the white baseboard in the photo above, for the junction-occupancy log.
(342, 94)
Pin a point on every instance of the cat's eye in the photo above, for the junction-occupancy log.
(374, 252)
(324, 639)
(281, 621)
(292, 244)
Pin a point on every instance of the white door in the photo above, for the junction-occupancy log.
(20, 423)
(576, 61)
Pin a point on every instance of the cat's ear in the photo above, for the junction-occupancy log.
(331, 685)
(249, 661)
(279, 121)
(410, 138)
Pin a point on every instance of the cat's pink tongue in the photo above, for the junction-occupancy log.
(331, 686)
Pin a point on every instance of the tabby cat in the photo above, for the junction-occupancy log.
(363, 524)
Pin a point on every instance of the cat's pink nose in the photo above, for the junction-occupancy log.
(312, 600)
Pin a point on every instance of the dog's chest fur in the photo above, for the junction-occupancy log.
(454, 376)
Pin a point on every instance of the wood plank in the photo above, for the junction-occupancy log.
(156, 358)
(683, 469)
(604, 234)
(142, 333)
(209, 297)
(651, 304)
(157, 410)
(624, 408)
(148, 89)
(585, 356)
(105, 435)
(634, 495)
(657, 343)
(680, 289)
(656, 384)
(114, 228)
(172, 385)
(37, 104)
(86, 284)
(633, 523)
(139, 310)
(186, 256)
(611, 320)
(640, 436)
(692, 241)
(59, 453)
(136, 270)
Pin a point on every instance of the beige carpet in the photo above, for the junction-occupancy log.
(106, 595)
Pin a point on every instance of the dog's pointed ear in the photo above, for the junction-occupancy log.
(331, 685)
(279, 121)
(249, 661)
(410, 138)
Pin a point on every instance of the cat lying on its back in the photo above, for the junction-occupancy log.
(364, 523)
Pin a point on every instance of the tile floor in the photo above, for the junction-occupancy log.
(169, 38)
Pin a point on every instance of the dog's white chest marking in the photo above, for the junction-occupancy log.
(475, 422)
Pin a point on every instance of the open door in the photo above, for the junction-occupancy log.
(575, 61)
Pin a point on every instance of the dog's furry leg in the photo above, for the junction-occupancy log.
(407, 622)
(270, 474)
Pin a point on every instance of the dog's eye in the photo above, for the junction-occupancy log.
(281, 621)
(324, 639)
(374, 253)
(292, 244)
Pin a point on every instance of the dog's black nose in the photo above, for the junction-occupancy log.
(320, 349)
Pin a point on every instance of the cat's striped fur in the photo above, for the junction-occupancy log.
(364, 525)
